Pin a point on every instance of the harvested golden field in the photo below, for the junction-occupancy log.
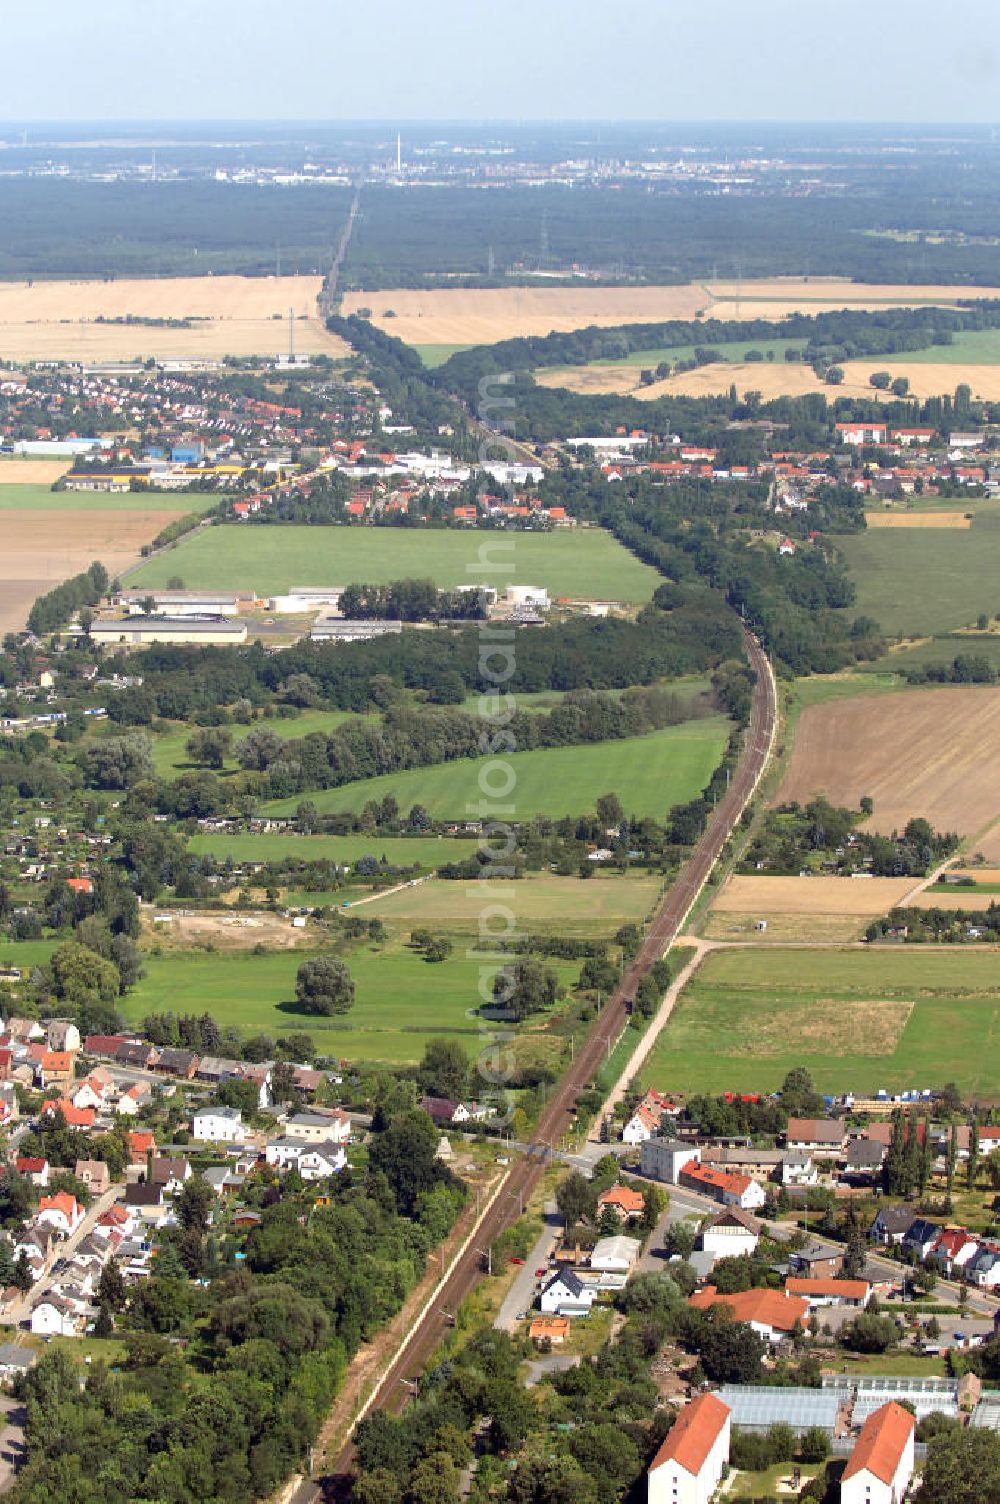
(927, 380)
(17, 472)
(798, 293)
(483, 315)
(40, 548)
(785, 929)
(778, 380)
(918, 519)
(763, 896)
(231, 316)
(929, 752)
(472, 316)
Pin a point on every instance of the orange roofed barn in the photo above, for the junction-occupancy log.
(689, 1464)
(881, 1465)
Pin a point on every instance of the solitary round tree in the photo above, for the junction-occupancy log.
(324, 986)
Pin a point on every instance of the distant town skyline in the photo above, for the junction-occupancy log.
(461, 60)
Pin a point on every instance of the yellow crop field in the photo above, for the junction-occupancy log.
(812, 895)
(18, 472)
(473, 316)
(230, 316)
(918, 519)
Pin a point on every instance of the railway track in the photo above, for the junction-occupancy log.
(399, 1382)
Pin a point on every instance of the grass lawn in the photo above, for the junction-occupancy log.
(973, 347)
(25, 953)
(436, 355)
(649, 774)
(169, 747)
(586, 563)
(922, 581)
(941, 649)
(860, 1020)
(43, 499)
(402, 851)
(597, 905)
(896, 1365)
(764, 1485)
(401, 1000)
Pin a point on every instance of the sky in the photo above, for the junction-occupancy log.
(838, 60)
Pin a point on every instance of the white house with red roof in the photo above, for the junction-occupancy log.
(62, 1212)
(689, 1465)
(881, 1466)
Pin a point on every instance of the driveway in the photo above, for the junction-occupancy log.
(12, 1419)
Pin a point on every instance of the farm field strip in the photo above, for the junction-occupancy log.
(859, 1020)
(918, 520)
(25, 472)
(586, 563)
(40, 549)
(231, 316)
(812, 895)
(455, 316)
(40, 498)
(596, 906)
(649, 773)
(276, 846)
(931, 752)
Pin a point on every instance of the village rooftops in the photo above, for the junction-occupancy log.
(883, 1440)
(693, 1434)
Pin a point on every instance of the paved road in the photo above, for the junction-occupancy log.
(64, 1252)
(559, 1116)
(12, 1421)
(521, 1294)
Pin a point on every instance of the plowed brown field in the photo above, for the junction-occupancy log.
(930, 752)
(40, 548)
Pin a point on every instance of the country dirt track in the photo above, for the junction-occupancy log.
(927, 752)
(524, 1175)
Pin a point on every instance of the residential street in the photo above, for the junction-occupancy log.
(22, 1311)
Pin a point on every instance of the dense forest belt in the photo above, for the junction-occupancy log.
(559, 1114)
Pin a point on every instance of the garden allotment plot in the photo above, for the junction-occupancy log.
(860, 1020)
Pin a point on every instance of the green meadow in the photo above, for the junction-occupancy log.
(890, 1017)
(401, 1000)
(170, 755)
(922, 581)
(586, 563)
(650, 774)
(277, 846)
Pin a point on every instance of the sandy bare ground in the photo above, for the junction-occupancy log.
(464, 316)
(234, 316)
(40, 548)
(17, 472)
(779, 379)
(926, 752)
(230, 931)
(919, 519)
(811, 895)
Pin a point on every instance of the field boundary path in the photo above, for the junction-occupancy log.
(512, 1193)
(328, 292)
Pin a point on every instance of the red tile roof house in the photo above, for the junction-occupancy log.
(37, 1170)
(623, 1201)
(822, 1137)
(62, 1212)
(689, 1465)
(881, 1466)
(772, 1314)
(730, 1190)
(829, 1292)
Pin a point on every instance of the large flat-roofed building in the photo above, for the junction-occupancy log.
(307, 598)
(178, 603)
(337, 629)
(140, 631)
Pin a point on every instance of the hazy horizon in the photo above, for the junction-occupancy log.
(565, 60)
